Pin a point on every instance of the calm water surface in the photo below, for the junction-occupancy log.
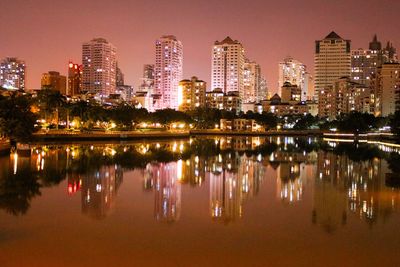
(221, 201)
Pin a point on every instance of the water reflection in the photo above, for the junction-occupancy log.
(344, 180)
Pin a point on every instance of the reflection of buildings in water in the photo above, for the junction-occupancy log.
(239, 143)
(330, 203)
(99, 190)
(225, 196)
(293, 171)
(358, 186)
(232, 180)
(165, 179)
(368, 195)
(192, 170)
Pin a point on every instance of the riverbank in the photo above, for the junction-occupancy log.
(5, 146)
(64, 136)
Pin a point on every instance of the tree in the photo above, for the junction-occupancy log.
(395, 123)
(356, 122)
(17, 121)
(306, 122)
(50, 102)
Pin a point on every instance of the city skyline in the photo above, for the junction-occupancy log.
(43, 54)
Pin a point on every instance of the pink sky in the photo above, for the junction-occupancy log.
(49, 33)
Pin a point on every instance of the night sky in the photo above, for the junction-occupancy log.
(48, 33)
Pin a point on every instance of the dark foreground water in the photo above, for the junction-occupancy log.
(201, 202)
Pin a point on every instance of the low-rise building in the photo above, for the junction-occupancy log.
(240, 125)
(191, 94)
(276, 106)
(218, 100)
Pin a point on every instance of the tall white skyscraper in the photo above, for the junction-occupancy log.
(168, 70)
(293, 71)
(99, 67)
(12, 74)
(332, 60)
(227, 66)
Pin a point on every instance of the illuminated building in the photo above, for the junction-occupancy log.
(332, 60)
(290, 92)
(364, 62)
(252, 87)
(12, 74)
(147, 84)
(387, 89)
(168, 70)
(293, 71)
(277, 106)
(74, 79)
(227, 66)
(99, 67)
(54, 81)
(219, 100)
(343, 97)
(119, 76)
(191, 94)
(308, 86)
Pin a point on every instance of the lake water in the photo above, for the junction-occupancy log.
(223, 201)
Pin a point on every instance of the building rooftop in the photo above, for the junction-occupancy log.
(227, 40)
(333, 35)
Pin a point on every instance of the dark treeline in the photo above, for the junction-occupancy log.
(21, 115)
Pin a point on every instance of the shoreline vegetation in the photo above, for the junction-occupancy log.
(61, 136)
(49, 117)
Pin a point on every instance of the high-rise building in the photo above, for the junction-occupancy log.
(99, 67)
(292, 71)
(192, 94)
(119, 77)
(364, 62)
(387, 89)
(168, 70)
(263, 90)
(251, 82)
(308, 87)
(12, 73)
(332, 60)
(147, 81)
(343, 97)
(227, 66)
(74, 79)
(54, 81)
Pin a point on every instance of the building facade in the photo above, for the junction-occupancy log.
(168, 70)
(99, 67)
(292, 71)
(251, 82)
(192, 94)
(147, 81)
(290, 92)
(332, 60)
(387, 89)
(12, 73)
(54, 81)
(217, 99)
(74, 86)
(227, 66)
(343, 97)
